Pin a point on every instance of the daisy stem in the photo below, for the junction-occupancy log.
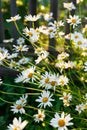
(8, 85)
(5, 101)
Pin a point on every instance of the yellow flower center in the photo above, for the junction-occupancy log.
(61, 122)
(39, 50)
(79, 108)
(62, 81)
(62, 56)
(76, 36)
(79, 42)
(86, 106)
(73, 20)
(20, 48)
(13, 19)
(53, 83)
(16, 128)
(45, 99)
(30, 75)
(37, 30)
(20, 40)
(66, 98)
(30, 34)
(51, 30)
(19, 107)
(39, 115)
(46, 80)
(13, 64)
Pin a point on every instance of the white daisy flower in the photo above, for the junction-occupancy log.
(40, 116)
(45, 78)
(74, 20)
(86, 95)
(69, 6)
(13, 64)
(8, 40)
(81, 43)
(23, 99)
(26, 75)
(53, 81)
(20, 78)
(78, 1)
(84, 29)
(1, 81)
(17, 124)
(45, 99)
(71, 64)
(43, 55)
(24, 60)
(67, 97)
(62, 56)
(20, 48)
(3, 55)
(20, 40)
(79, 108)
(15, 18)
(61, 65)
(13, 55)
(18, 107)
(33, 35)
(85, 67)
(51, 31)
(63, 80)
(61, 122)
(56, 24)
(85, 106)
(48, 16)
(76, 35)
(32, 18)
(39, 50)
(44, 30)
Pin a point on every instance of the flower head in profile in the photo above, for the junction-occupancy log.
(61, 122)
(3, 55)
(45, 99)
(74, 20)
(8, 40)
(69, 6)
(20, 48)
(1, 81)
(78, 1)
(42, 56)
(17, 124)
(62, 56)
(13, 19)
(48, 16)
(84, 29)
(32, 18)
(24, 60)
(26, 75)
(85, 66)
(40, 116)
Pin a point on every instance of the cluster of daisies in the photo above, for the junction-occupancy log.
(50, 75)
